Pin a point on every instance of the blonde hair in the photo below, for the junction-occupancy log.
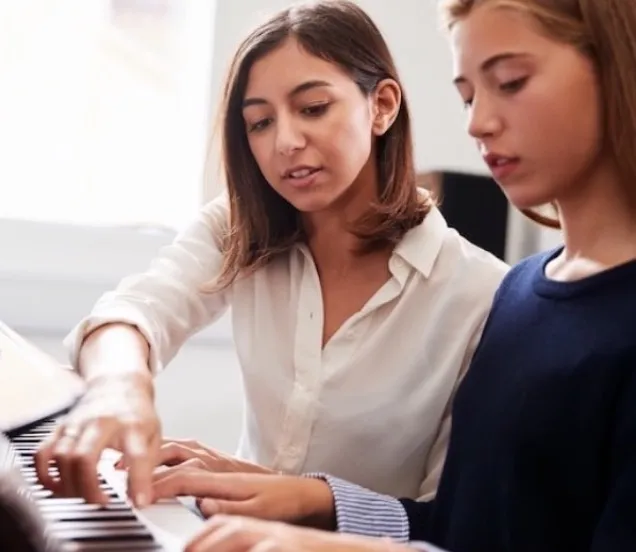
(603, 30)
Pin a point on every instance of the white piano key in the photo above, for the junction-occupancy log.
(169, 521)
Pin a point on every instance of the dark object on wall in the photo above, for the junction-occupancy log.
(476, 207)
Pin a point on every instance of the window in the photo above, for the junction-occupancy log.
(104, 109)
(104, 120)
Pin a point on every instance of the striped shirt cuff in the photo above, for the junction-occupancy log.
(360, 511)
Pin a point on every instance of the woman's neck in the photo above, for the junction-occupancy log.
(330, 239)
(328, 232)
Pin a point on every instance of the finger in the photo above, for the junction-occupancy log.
(140, 464)
(182, 480)
(188, 467)
(203, 483)
(223, 535)
(192, 465)
(211, 507)
(44, 462)
(190, 443)
(63, 452)
(87, 452)
(174, 453)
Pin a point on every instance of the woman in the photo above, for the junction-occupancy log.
(542, 453)
(355, 308)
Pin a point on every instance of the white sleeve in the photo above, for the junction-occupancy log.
(437, 454)
(165, 302)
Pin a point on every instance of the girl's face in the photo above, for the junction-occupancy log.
(311, 129)
(533, 105)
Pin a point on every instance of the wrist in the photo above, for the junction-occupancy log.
(118, 350)
(318, 506)
(125, 384)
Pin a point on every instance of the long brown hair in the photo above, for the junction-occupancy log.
(605, 31)
(262, 224)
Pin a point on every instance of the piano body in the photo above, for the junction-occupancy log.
(34, 391)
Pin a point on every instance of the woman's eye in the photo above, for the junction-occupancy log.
(258, 125)
(315, 110)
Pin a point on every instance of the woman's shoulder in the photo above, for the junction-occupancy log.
(465, 275)
(217, 210)
(434, 247)
(210, 225)
(469, 262)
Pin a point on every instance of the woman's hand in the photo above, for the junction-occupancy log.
(116, 412)
(236, 534)
(299, 500)
(174, 452)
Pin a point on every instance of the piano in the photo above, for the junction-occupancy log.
(77, 526)
(35, 391)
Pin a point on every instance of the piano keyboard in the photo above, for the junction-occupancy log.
(79, 526)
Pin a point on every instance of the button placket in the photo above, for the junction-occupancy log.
(298, 419)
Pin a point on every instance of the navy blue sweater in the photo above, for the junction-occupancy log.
(542, 453)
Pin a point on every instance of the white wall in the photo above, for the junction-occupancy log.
(51, 274)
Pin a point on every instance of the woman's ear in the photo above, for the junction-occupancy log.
(387, 98)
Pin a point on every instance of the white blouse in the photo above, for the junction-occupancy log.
(372, 406)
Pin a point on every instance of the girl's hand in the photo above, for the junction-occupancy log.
(236, 534)
(299, 500)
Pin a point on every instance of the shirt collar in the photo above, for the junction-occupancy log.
(421, 245)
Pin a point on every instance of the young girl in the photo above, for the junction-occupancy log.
(355, 308)
(542, 454)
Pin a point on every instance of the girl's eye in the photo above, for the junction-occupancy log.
(513, 85)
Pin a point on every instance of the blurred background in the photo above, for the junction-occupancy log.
(105, 118)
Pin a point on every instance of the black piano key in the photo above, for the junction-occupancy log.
(79, 532)
(104, 546)
(96, 525)
(62, 501)
(60, 515)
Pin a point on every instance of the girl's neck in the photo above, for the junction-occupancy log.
(599, 227)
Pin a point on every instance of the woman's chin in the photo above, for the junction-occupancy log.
(310, 203)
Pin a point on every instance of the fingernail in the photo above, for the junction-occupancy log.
(141, 500)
